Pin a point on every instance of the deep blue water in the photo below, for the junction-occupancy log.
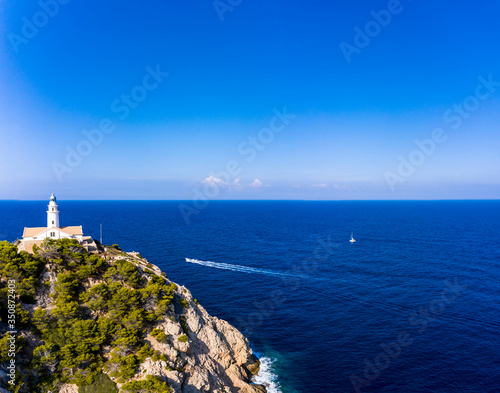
(321, 319)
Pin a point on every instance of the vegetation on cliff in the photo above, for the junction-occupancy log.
(93, 330)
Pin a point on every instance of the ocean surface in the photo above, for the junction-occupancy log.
(412, 306)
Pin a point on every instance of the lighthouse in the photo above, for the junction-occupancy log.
(37, 235)
(53, 213)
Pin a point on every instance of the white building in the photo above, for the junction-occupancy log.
(37, 235)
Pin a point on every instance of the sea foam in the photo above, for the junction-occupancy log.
(267, 375)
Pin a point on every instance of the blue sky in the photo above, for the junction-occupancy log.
(353, 117)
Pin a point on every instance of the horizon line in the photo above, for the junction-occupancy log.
(258, 200)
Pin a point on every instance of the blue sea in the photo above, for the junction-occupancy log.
(412, 306)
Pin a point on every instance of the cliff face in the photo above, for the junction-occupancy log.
(216, 357)
(178, 341)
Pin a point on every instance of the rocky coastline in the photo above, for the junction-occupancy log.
(193, 351)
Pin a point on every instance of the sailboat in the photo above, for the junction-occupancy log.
(352, 239)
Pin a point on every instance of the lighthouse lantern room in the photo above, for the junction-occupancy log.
(53, 213)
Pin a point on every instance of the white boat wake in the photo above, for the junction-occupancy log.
(242, 269)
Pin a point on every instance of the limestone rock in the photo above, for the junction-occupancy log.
(221, 357)
(67, 388)
(253, 364)
(162, 369)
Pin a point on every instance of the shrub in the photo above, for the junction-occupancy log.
(183, 338)
(124, 271)
(66, 286)
(122, 367)
(151, 384)
(101, 383)
(41, 319)
(183, 322)
(5, 342)
(134, 319)
(122, 301)
(66, 312)
(159, 294)
(145, 352)
(106, 328)
(45, 354)
(160, 356)
(97, 297)
(77, 355)
(159, 335)
(21, 267)
(22, 317)
(127, 338)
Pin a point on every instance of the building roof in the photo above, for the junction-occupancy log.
(74, 230)
(71, 230)
(30, 232)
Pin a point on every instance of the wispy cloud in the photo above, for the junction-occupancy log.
(216, 181)
(213, 181)
(256, 184)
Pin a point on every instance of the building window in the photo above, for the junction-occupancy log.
(52, 234)
(52, 209)
(52, 222)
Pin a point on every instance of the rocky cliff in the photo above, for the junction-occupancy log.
(112, 322)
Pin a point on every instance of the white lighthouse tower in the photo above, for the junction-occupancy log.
(53, 213)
